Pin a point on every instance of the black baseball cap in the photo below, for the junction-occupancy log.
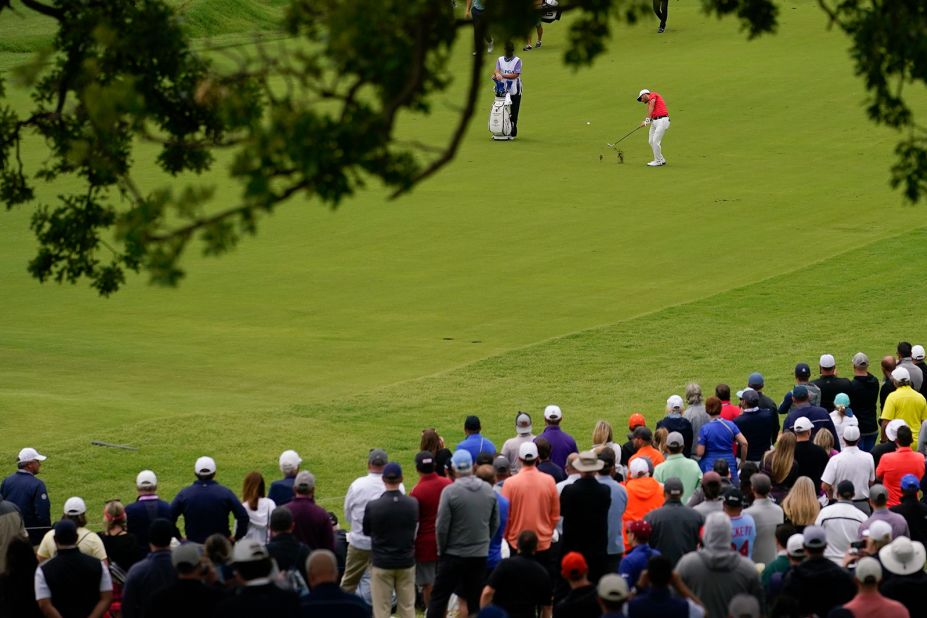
(802, 370)
(472, 423)
(733, 497)
(425, 462)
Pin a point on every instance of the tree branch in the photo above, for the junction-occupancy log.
(44, 9)
(451, 151)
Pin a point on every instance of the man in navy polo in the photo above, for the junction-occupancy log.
(27, 492)
(475, 443)
(561, 443)
(146, 508)
(819, 417)
(206, 506)
(759, 425)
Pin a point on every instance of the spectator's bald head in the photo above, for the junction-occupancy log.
(569, 469)
(322, 568)
(888, 365)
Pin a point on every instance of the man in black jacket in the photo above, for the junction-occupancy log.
(864, 398)
(72, 584)
(391, 522)
(818, 583)
(584, 508)
(284, 547)
(913, 510)
(259, 596)
(829, 383)
(189, 596)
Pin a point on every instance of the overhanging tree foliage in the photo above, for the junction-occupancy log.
(312, 120)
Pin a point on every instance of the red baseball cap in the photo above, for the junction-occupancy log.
(573, 566)
(640, 529)
(636, 420)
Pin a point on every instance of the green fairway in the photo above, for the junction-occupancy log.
(526, 273)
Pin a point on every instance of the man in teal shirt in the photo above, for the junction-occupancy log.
(680, 466)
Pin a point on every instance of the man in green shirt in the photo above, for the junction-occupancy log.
(680, 466)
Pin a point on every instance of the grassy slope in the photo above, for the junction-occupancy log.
(514, 244)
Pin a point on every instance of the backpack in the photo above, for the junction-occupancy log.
(550, 11)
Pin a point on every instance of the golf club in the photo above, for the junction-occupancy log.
(627, 135)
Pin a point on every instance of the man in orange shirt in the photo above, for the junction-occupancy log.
(645, 494)
(893, 466)
(643, 443)
(533, 503)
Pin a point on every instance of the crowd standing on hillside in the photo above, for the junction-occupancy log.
(810, 507)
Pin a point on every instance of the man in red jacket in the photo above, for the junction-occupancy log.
(658, 119)
(428, 493)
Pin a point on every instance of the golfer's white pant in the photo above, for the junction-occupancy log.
(657, 128)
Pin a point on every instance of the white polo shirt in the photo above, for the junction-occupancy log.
(854, 465)
(841, 522)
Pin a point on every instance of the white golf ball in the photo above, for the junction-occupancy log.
(587, 122)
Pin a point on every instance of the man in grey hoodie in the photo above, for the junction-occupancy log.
(716, 573)
(468, 517)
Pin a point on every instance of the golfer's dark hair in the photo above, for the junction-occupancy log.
(905, 436)
(904, 349)
(527, 543)
(509, 48)
(783, 533)
(659, 570)
(206, 477)
(484, 458)
(713, 406)
(675, 449)
(723, 391)
(711, 491)
(607, 456)
(543, 448)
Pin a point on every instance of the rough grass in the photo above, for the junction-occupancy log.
(525, 273)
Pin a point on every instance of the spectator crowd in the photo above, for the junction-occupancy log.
(731, 505)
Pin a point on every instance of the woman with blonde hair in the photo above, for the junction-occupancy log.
(659, 440)
(258, 507)
(121, 547)
(825, 440)
(602, 436)
(780, 466)
(801, 506)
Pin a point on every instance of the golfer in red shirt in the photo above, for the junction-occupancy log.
(658, 119)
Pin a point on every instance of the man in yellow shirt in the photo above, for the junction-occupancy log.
(88, 542)
(904, 403)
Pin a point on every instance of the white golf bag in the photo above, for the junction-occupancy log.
(500, 118)
(550, 11)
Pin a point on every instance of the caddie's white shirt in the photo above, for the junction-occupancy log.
(841, 522)
(513, 65)
(853, 465)
(362, 491)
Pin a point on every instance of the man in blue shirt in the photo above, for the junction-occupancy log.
(743, 527)
(281, 491)
(475, 443)
(23, 489)
(146, 508)
(206, 506)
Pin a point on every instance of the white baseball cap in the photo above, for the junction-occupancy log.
(642, 93)
(851, 433)
(523, 423)
(639, 466)
(528, 451)
(675, 401)
(205, 465)
(30, 454)
(289, 461)
(891, 430)
(900, 373)
(917, 352)
(75, 506)
(795, 546)
(880, 530)
(868, 570)
(146, 479)
(249, 550)
(827, 361)
(553, 413)
(802, 424)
